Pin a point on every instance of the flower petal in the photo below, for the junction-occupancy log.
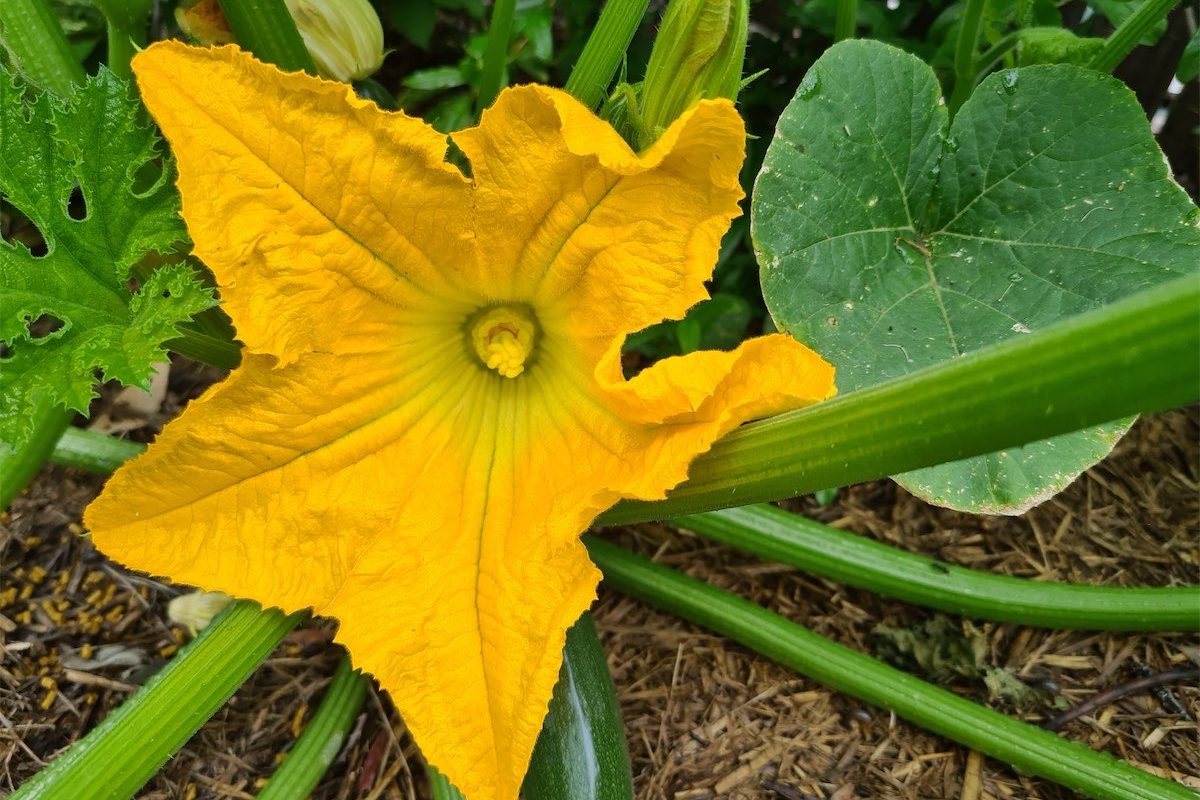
(317, 212)
(639, 436)
(363, 460)
(570, 217)
(265, 470)
(381, 490)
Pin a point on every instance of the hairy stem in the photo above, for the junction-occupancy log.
(495, 54)
(605, 48)
(322, 738)
(964, 52)
(777, 535)
(1132, 30)
(17, 467)
(847, 20)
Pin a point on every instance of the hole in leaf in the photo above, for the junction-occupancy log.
(147, 177)
(8, 216)
(77, 205)
(166, 294)
(16, 228)
(5, 351)
(44, 326)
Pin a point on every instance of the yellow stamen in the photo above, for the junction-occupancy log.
(503, 339)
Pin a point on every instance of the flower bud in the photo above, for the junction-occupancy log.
(698, 54)
(344, 37)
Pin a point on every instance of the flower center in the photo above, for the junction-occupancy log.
(503, 338)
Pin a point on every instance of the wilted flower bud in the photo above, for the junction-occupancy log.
(344, 37)
(698, 54)
(195, 610)
(204, 21)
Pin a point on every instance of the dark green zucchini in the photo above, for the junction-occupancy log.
(581, 753)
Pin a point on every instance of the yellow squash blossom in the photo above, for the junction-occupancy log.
(431, 407)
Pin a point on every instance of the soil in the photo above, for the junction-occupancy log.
(704, 718)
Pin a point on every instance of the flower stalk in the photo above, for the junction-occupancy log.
(854, 560)
(1046, 383)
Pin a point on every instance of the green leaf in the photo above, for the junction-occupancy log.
(944, 652)
(435, 79)
(891, 240)
(1189, 62)
(718, 323)
(78, 171)
(414, 19)
(1014, 481)
(1056, 46)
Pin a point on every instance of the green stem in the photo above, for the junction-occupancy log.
(1024, 389)
(777, 535)
(992, 56)
(441, 786)
(216, 351)
(605, 48)
(93, 452)
(495, 54)
(1029, 749)
(116, 758)
(581, 753)
(1122, 41)
(18, 467)
(964, 53)
(322, 738)
(847, 20)
(126, 31)
(265, 28)
(121, 50)
(30, 32)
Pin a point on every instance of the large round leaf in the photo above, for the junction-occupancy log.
(890, 238)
